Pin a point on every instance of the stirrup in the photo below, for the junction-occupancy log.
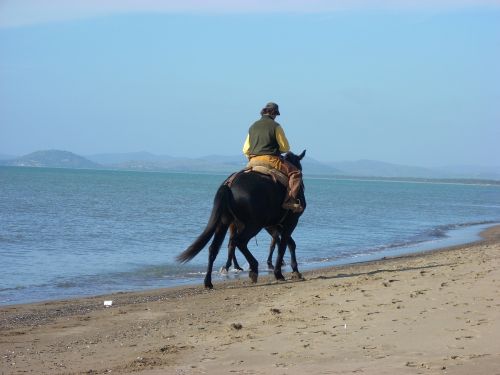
(295, 206)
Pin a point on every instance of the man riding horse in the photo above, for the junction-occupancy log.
(265, 143)
(250, 201)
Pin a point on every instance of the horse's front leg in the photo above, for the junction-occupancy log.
(279, 259)
(213, 250)
(295, 270)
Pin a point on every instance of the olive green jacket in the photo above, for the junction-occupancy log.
(265, 137)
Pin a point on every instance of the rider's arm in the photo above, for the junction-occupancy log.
(246, 146)
(282, 141)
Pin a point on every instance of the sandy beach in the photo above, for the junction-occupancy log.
(431, 313)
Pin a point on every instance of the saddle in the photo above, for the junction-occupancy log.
(276, 175)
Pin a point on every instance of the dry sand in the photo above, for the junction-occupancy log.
(432, 313)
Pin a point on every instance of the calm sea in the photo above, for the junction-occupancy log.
(70, 233)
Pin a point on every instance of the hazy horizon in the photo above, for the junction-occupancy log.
(331, 163)
(410, 83)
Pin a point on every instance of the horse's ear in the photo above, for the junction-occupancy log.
(302, 154)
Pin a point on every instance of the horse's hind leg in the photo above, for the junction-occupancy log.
(231, 257)
(236, 265)
(231, 251)
(242, 242)
(220, 233)
(230, 248)
(254, 265)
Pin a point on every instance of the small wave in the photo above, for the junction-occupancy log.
(19, 287)
(67, 284)
(468, 224)
(135, 276)
(195, 274)
(425, 238)
(436, 233)
(162, 272)
(322, 260)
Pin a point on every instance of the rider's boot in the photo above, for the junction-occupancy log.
(292, 204)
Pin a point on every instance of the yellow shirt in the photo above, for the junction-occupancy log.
(280, 138)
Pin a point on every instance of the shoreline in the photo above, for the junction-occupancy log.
(429, 312)
(484, 236)
(456, 235)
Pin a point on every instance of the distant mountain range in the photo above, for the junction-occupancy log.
(51, 159)
(144, 161)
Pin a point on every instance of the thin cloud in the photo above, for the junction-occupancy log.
(15, 13)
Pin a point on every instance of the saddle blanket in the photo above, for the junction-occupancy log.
(276, 175)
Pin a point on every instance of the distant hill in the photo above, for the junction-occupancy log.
(118, 158)
(144, 161)
(314, 167)
(372, 168)
(208, 164)
(52, 159)
(211, 163)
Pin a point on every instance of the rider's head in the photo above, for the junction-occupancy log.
(271, 109)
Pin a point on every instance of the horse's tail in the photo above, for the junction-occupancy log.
(219, 210)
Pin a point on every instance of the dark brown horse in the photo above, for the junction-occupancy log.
(252, 202)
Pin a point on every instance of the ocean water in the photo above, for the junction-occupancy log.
(70, 233)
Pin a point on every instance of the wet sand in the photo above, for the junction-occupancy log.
(431, 313)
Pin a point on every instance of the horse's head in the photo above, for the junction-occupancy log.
(295, 159)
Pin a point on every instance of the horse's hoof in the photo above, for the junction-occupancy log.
(279, 276)
(223, 271)
(270, 266)
(297, 276)
(209, 286)
(239, 269)
(253, 276)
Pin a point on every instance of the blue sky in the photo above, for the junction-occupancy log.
(406, 84)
